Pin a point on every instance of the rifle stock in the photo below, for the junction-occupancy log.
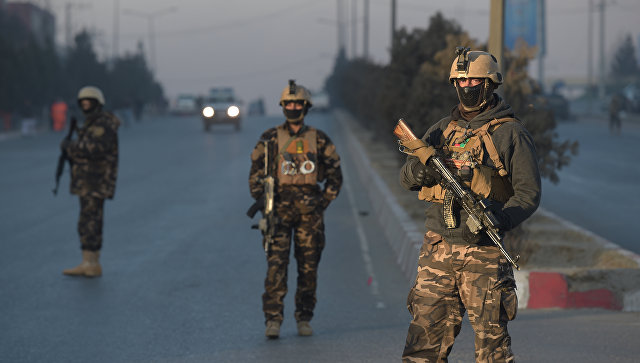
(480, 217)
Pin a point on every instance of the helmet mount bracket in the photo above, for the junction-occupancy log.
(292, 87)
(463, 59)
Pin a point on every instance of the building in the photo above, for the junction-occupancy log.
(39, 22)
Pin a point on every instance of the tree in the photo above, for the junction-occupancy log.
(414, 85)
(624, 65)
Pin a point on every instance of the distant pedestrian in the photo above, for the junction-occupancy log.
(615, 107)
(94, 159)
(300, 157)
(492, 154)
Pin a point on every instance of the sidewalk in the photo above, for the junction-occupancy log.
(563, 265)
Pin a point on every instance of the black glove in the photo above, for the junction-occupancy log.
(323, 203)
(424, 175)
(64, 145)
(495, 212)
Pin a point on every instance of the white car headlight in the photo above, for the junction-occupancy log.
(233, 111)
(208, 111)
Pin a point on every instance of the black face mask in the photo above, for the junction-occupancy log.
(471, 97)
(294, 116)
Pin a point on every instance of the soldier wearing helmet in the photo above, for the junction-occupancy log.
(94, 159)
(299, 157)
(490, 151)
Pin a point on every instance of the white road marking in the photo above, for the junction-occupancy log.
(364, 243)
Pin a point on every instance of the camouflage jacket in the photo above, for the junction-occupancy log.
(304, 197)
(94, 155)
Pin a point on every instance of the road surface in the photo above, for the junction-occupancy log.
(183, 273)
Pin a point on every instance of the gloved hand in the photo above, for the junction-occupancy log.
(323, 203)
(64, 145)
(503, 223)
(424, 175)
(495, 212)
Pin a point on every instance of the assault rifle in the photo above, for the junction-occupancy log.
(480, 216)
(63, 154)
(267, 224)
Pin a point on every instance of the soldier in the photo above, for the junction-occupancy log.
(615, 106)
(300, 157)
(94, 159)
(483, 144)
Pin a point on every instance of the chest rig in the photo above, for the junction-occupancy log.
(297, 157)
(465, 154)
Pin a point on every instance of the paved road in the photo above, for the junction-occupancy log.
(183, 273)
(599, 189)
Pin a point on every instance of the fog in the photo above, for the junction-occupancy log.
(256, 46)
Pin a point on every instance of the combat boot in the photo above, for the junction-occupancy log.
(304, 329)
(89, 267)
(273, 329)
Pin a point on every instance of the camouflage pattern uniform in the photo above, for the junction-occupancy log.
(299, 209)
(94, 156)
(457, 274)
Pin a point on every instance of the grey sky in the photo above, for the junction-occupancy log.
(256, 46)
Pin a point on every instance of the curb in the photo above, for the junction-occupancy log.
(536, 289)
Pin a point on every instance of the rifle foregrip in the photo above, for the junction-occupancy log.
(403, 132)
(409, 140)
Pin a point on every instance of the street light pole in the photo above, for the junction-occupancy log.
(150, 16)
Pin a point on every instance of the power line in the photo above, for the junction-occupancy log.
(256, 73)
(203, 30)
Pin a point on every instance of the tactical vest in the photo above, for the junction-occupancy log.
(464, 152)
(297, 159)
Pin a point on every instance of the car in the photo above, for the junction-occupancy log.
(320, 101)
(221, 107)
(186, 104)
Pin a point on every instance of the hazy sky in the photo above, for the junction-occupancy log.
(256, 46)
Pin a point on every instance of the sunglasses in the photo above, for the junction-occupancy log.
(297, 102)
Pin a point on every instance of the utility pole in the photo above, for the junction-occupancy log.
(393, 22)
(496, 32)
(67, 25)
(116, 29)
(542, 24)
(341, 28)
(601, 84)
(68, 6)
(590, 55)
(151, 16)
(365, 30)
(354, 28)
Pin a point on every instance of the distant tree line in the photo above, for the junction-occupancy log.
(624, 65)
(414, 85)
(33, 75)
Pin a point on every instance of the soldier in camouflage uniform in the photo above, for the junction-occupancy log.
(300, 157)
(94, 159)
(483, 143)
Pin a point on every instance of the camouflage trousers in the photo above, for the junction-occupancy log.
(90, 223)
(452, 279)
(308, 242)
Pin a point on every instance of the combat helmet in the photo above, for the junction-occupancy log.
(298, 93)
(92, 93)
(475, 64)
